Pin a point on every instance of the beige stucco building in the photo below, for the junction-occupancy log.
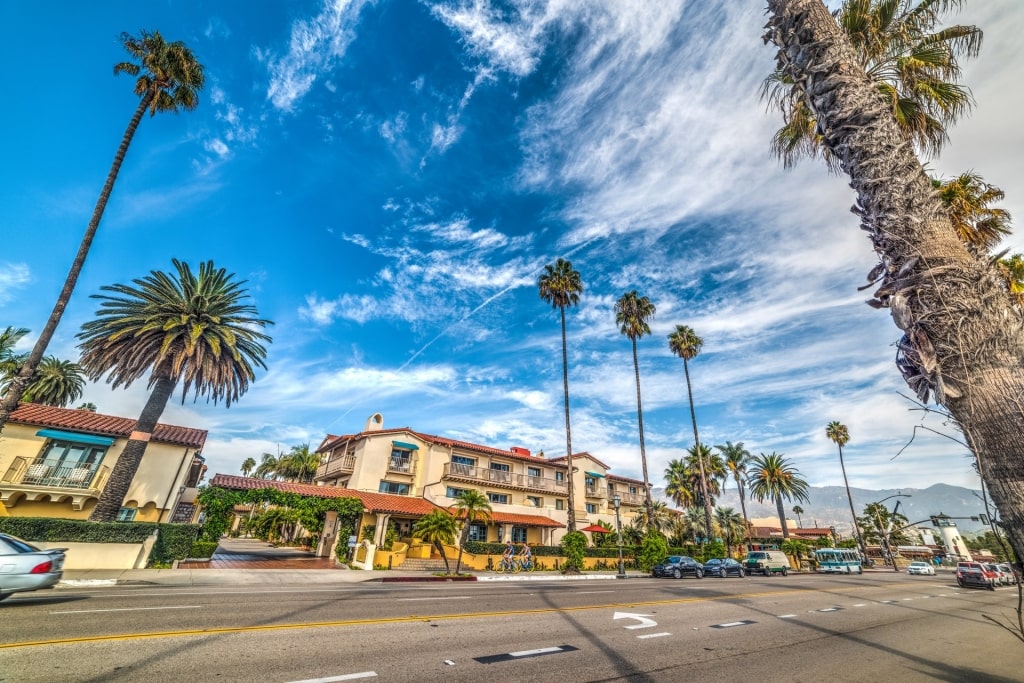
(54, 462)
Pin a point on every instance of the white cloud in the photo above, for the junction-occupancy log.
(13, 277)
(217, 146)
(315, 47)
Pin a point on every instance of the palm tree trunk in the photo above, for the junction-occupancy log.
(643, 452)
(462, 545)
(18, 384)
(112, 497)
(440, 549)
(743, 504)
(964, 338)
(853, 512)
(782, 516)
(571, 526)
(700, 456)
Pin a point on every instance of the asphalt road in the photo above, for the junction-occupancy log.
(875, 627)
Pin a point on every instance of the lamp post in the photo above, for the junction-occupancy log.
(885, 533)
(616, 502)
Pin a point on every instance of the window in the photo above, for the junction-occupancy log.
(401, 460)
(533, 471)
(497, 497)
(462, 465)
(477, 532)
(559, 504)
(591, 509)
(453, 492)
(519, 534)
(560, 477)
(127, 514)
(500, 472)
(66, 463)
(535, 501)
(632, 489)
(394, 487)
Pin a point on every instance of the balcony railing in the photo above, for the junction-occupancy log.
(56, 474)
(343, 465)
(595, 491)
(502, 478)
(402, 465)
(627, 498)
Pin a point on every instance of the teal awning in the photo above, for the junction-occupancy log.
(76, 437)
(595, 474)
(405, 446)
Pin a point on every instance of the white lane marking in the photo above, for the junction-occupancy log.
(642, 618)
(733, 623)
(436, 597)
(787, 616)
(861, 604)
(654, 635)
(907, 599)
(127, 609)
(887, 602)
(538, 651)
(344, 677)
(590, 592)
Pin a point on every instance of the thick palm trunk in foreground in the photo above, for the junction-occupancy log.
(964, 340)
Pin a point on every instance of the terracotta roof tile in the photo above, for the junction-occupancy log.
(517, 518)
(582, 454)
(373, 502)
(107, 425)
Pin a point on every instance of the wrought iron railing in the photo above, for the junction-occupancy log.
(503, 477)
(56, 474)
(345, 463)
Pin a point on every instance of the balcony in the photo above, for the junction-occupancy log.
(502, 478)
(595, 491)
(402, 465)
(628, 498)
(342, 465)
(83, 481)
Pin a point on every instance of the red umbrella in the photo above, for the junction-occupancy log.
(596, 529)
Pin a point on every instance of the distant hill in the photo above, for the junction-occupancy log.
(828, 505)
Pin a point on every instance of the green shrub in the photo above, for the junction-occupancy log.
(574, 546)
(174, 542)
(202, 549)
(653, 549)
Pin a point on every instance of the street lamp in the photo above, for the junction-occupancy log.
(885, 533)
(616, 502)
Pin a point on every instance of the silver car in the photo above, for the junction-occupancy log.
(24, 567)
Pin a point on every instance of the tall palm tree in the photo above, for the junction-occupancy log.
(731, 525)
(840, 436)
(298, 465)
(632, 312)
(437, 528)
(963, 340)
(268, 467)
(913, 66)
(797, 510)
(560, 286)
(89, 405)
(659, 518)
(692, 523)
(180, 328)
(679, 484)
(472, 506)
(55, 382)
(685, 343)
(169, 79)
(969, 200)
(248, 465)
(737, 459)
(772, 477)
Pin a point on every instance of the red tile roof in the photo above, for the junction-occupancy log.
(582, 454)
(332, 441)
(372, 502)
(516, 518)
(107, 425)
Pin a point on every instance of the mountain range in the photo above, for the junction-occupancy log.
(828, 506)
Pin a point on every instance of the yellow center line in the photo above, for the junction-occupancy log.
(412, 618)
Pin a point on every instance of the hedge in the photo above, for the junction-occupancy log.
(173, 542)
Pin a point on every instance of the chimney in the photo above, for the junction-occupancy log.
(519, 450)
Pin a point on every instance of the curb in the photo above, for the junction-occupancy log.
(428, 579)
(80, 583)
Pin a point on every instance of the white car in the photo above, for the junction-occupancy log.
(24, 567)
(921, 568)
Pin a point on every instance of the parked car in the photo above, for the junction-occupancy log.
(924, 568)
(678, 566)
(766, 562)
(24, 567)
(974, 574)
(723, 567)
(1001, 578)
(1011, 575)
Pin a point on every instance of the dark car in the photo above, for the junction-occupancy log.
(723, 567)
(974, 574)
(24, 567)
(678, 566)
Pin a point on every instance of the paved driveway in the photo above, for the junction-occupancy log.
(251, 553)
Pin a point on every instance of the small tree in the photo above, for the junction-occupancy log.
(653, 549)
(437, 528)
(574, 545)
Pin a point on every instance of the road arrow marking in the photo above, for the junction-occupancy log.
(642, 618)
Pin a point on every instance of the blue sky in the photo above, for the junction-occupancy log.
(390, 178)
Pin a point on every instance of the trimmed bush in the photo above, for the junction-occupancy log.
(653, 549)
(202, 549)
(574, 547)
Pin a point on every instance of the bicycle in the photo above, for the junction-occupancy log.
(507, 565)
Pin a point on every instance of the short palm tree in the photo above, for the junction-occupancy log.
(56, 382)
(299, 464)
(632, 312)
(560, 286)
(437, 528)
(840, 436)
(660, 517)
(685, 343)
(193, 330)
(679, 481)
(693, 525)
(248, 465)
(1012, 270)
(472, 506)
(169, 79)
(797, 510)
(9, 360)
(912, 65)
(773, 478)
(969, 200)
(737, 458)
(731, 525)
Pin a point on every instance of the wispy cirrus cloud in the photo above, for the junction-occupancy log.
(315, 47)
(13, 277)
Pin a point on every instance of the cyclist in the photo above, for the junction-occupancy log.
(527, 555)
(508, 555)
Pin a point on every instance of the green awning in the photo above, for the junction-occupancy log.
(76, 437)
(595, 474)
(405, 446)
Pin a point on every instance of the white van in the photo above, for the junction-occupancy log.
(766, 562)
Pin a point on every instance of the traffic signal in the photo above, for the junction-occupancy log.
(935, 520)
(983, 518)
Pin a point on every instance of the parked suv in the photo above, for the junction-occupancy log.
(678, 566)
(974, 574)
(766, 562)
